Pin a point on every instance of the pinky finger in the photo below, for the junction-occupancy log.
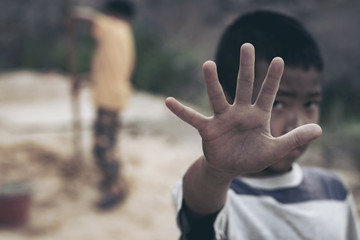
(186, 114)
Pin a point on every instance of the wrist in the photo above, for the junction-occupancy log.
(217, 176)
(205, 189)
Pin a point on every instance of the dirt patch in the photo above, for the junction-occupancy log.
(155, 148)
(54, 179)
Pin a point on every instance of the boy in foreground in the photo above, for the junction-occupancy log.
(247, 184)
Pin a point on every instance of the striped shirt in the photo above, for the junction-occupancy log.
(305, 203)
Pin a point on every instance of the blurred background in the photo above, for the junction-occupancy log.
(173, 39)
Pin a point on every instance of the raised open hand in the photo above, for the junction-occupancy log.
(237, 138)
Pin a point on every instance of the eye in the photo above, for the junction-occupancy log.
(311, 104)
(278, 104)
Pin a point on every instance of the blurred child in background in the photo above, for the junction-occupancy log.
(112, 67)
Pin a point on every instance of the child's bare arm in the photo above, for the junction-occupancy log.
(237, 139)
(84, 13)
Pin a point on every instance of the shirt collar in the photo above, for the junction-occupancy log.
(292, 178)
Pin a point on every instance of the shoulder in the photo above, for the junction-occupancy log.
(177, 195)
(321, 174)
(102, 19)
(329, 183)
(315, 184)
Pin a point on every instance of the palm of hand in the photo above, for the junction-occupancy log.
(237, 138)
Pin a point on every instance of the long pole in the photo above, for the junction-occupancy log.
(75, 83)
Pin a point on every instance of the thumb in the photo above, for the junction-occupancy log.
(297, 137)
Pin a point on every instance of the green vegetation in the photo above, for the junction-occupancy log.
(341, 102)
(162, 70)
(340, 142)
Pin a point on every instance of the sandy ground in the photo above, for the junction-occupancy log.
(36, 145)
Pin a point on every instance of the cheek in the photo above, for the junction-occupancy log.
(311, 116)
(316, 117)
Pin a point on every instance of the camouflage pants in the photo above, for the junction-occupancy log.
(105, 137)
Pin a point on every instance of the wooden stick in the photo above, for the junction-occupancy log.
(75, 83)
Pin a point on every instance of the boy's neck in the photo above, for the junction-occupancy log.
(267, 172)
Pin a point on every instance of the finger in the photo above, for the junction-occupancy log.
(245, 80)
(270, 85)
(213, 87)
(296, 138)
(187, 114)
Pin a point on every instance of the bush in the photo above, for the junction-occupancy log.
(162, 70)
(340, 102)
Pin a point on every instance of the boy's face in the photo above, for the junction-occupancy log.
(297, 103)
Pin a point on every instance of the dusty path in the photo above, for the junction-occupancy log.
(156, 148)
(36, 144)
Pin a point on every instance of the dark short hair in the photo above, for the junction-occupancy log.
(125, 8)
(272, 34)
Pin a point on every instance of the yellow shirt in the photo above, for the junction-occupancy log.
(113, 62)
